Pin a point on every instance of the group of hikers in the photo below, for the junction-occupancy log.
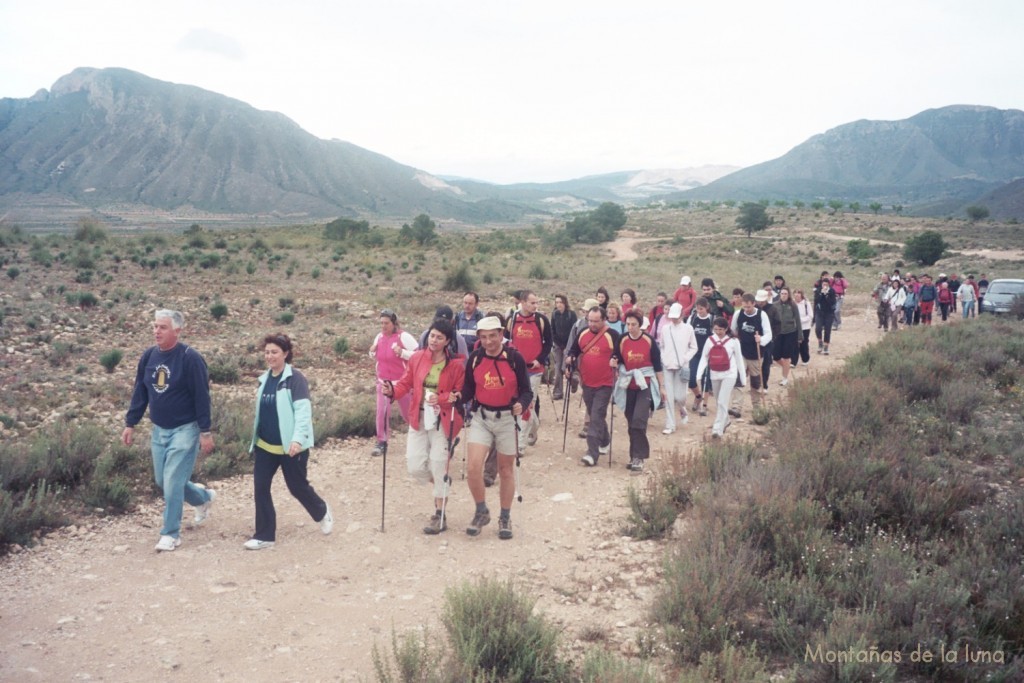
(911, 299)
(477, 375)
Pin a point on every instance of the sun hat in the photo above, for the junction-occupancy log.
(489, 323)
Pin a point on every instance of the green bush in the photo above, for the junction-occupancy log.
(286, 318)
(83, 300)
(13, 272)
(218, 310)
(860, 250)
(652, 513)
(459, 279)
(412, 659)
(494, 632)
(90, 230)
(57, 454)
(285, 302)
(341, 346)
(352, 417)
(22, 515)
(600, 666)
(538, 272)
(223, 370)
(111, 359)
(232, 420)
(60, 353)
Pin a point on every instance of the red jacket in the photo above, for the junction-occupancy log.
(452, 377)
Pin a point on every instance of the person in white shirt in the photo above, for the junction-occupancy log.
(678, 345)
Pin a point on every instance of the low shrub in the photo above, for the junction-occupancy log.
(218, 310)
(223, 370)
(412, 659)
(286, 318)
(341, 346)
(495, 634)
(459, 279)
(651, 513)
(352, 417)
(23, 515)
(600, 666)
(111, 359)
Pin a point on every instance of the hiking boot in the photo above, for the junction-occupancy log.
(703, 412)
(203, 511)
(167, 543)
(583, 433)
(480, 520)
(327, 521)
(636, 465)
(556, 397)
(435, 525)
(488, 481)
(734, 412)
(380, 449)
(696, 402)
(588, 460)
(826, 350)
(531, 433)
(504, 528)
(820, 347)
(574, 383)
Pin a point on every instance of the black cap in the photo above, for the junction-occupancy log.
(444, 312)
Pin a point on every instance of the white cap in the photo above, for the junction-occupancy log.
(644, 323)
(761, 295)
(685, 280)
(489, 323)
(675, 310)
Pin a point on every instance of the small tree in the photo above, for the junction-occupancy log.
(926, 248)
(753, 218)
(817, 206)
(835, 205)
(875, 206)
(977, 213)
(897, 209)
(13, 272)
(854, 206)
(860, 250)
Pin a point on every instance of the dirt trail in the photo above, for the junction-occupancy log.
(95, 602)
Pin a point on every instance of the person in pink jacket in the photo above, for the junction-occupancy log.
(391, 348)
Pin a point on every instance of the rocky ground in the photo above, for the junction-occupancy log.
(94, 601)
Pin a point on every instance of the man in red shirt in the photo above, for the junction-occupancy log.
(594, 354)
(498, 388)
(529, 333)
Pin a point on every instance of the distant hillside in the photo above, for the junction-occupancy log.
(624, 187)
(103, 136)
(1005, 202)
(938, 158)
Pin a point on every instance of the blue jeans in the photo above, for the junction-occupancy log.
(968, 309)
(174, 456)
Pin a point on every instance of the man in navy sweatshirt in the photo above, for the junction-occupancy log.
(172, 380)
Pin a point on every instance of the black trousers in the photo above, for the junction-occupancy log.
(638, 412)
(265, 466)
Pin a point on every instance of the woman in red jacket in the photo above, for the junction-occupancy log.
(430, 380)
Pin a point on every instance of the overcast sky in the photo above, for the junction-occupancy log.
(545, 90)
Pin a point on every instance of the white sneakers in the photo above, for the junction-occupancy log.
(587, 460)
(257, 544)
(327, 523)
(667, 430)
(203, 511)
(167, 543)
(603, 450)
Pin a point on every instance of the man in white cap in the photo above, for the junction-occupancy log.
(678, 345)
(498, 387)
(685, 295)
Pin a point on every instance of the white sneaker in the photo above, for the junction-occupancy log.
(167, 543)
(784, 381)
(603, 450)
(667, 430)
(257, 544)
(587, 460)
(203, 511)
(327, 523)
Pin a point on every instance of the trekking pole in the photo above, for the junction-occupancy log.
(384, 469)
(519, 496)
(447, 481)
(565, 410)
(611, 435)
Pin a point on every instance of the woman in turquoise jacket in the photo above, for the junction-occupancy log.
(282, 435)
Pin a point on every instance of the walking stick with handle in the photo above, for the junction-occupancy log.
(384, 468)
(447, 481)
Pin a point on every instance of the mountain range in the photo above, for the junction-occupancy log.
(121, 143)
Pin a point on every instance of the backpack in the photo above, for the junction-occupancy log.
(718, 356)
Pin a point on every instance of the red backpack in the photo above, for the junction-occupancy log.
(718, 356)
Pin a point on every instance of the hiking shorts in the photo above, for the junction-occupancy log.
(490, 430)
